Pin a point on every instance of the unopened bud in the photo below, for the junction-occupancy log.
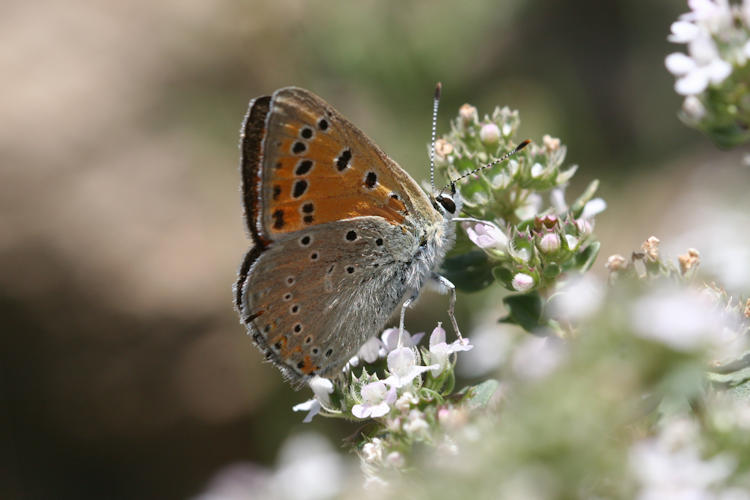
(549, 243)
(468, 114)
(551, 143)
(489, 133)
(443, 148)
(522, 282)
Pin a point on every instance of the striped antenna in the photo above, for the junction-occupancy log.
(435, 103)
(489, 165)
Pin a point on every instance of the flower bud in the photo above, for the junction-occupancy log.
(693, 108)
(616, 262)
(489, 134)
(550, 143)
(468, 114)
(443, 148)
(522, 282)
(549, 243)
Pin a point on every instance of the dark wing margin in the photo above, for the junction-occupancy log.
(253, 134)
(251, 146)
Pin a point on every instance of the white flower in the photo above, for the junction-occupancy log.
(712, 16)
(679, 64)
(530, 207)
(489, 133)
(693, 108)
(452, 418)
(572, 241)
(440, 351)
(584, 226)
(390, 339)
(492, 343)
(308, 469)
(321, 387)
(376, 400)
(536, 170)
(537, 357)
(353, 361)
(486, 235)
(549, 243)
(406, 401)
(373, 451)
(683, 32)
(402, 365)
(593, 208)
(370, 350)
(579, 299)
(704, 66)
(468, 114)
(671, 466)
(395, 459)
(682, 319)
(507, 129)
(557, 200)
(416, 423)
(522, 282)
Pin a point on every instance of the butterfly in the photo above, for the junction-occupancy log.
(342, 236)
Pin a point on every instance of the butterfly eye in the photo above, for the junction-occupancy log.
(448, 204)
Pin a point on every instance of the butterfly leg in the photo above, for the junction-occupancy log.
(404, 306)
(452, 304)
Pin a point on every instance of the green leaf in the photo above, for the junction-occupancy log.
(586, 258)
(470, 272)
(479, 395)
(525, 310)
(503, 275)
(551, 271)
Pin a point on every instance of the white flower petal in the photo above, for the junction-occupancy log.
(379, 410)
(322, 387)
(693, 83)
(461, 345)
(593, 208)
(437, 336)
(718, 71)
(369, 350)
(679, 64)
(683, 32)
(311, 406)
(486, 235)
(572, 241)
(536, 170)
(693, 107)
(361, 411)
(557, 199)
(703, 50)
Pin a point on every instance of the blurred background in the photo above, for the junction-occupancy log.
(124, 371)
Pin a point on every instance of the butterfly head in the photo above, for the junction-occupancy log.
(447, 204)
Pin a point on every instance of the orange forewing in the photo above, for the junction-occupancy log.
(316, 170)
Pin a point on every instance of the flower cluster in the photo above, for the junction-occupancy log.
(527, 243)
(406, 400)
(713, 75)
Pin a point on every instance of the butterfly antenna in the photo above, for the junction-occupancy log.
(489, 165)
(435, 103)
